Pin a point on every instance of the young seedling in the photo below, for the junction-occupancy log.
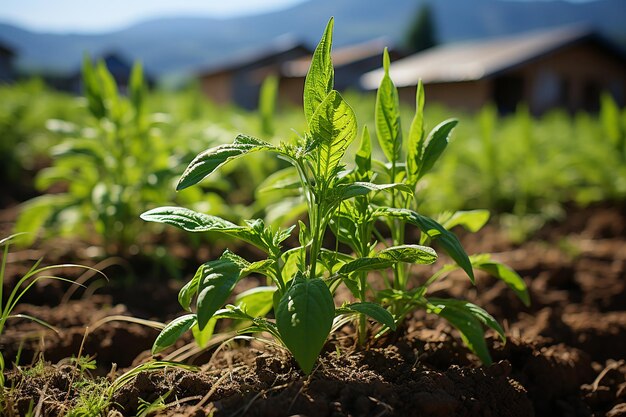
(300, 295)
(109, 175)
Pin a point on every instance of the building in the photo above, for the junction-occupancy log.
(239, 81)
(7, 67)
(566, 67)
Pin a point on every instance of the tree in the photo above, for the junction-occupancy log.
(421, 33)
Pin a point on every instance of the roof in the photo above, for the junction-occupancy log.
(341, 56)
(474, 60)
(284, 45)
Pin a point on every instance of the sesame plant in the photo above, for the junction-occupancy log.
(361, 223)
(110, 169)
(300, 292)
(350, 202)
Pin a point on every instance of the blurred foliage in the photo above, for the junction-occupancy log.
(111, 157)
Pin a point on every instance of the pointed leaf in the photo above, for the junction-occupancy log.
(472, 220)
(506, 274)
(257, 302)
(217, 283)
(415, 144)
(388, 257)
(478, 312)
(374, 311)
(188, 220)
(346, 191)
(320, 78)
(137, 88)
(333, 127)
(172, 332)
(92, 89)
(387, 115)
(435, 145)
(304, 318)
(434, 230)
(203, 336)
(192, 221)
(190, 289)
(470, 328)
(211, 159)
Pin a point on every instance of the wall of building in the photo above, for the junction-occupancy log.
(573, 78)
(217, 87)
(467, 96)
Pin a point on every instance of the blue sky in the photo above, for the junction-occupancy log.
(92, 16)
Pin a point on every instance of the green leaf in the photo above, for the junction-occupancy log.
(333, 127)
(435, 145)
(460, 314)
(415, 144)
(469, 327)
(172, 332)
(386, 258)
(374, 311)
(211, 159)
(188, 220)
(203, 336)
(320, 78)
(37, 212)
(192, 221)
(387, 115)
(109, 90)
(267, 104)
(363, 157)
(137, 88)
(218, 280)
(232, 312)
(190, 289)
(506, 274)
(304, 318)
(333, 260)
(434, 230)
(346, 191)
(472, 220)
(256, 302)
(478, 312)
(285, 179)
(92, 89)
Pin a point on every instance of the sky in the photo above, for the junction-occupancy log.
(93, 16)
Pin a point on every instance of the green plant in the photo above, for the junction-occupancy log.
(359, 221)
(304, 278)
(301, 297)
(35, 274)
(112, 170)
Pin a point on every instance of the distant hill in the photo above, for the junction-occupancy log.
(185, 44)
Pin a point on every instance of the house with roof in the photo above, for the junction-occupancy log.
(566, 67)
(7, 58)
(239, 80)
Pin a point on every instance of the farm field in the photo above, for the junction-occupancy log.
(421, 265)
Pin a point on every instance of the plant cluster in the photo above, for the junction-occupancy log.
(111, 170)
(34, 275)
(357, 204)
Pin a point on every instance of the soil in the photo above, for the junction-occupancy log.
(565, 355)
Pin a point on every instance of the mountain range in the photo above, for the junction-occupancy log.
(181, 45)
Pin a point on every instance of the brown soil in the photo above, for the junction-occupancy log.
(565, 355)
